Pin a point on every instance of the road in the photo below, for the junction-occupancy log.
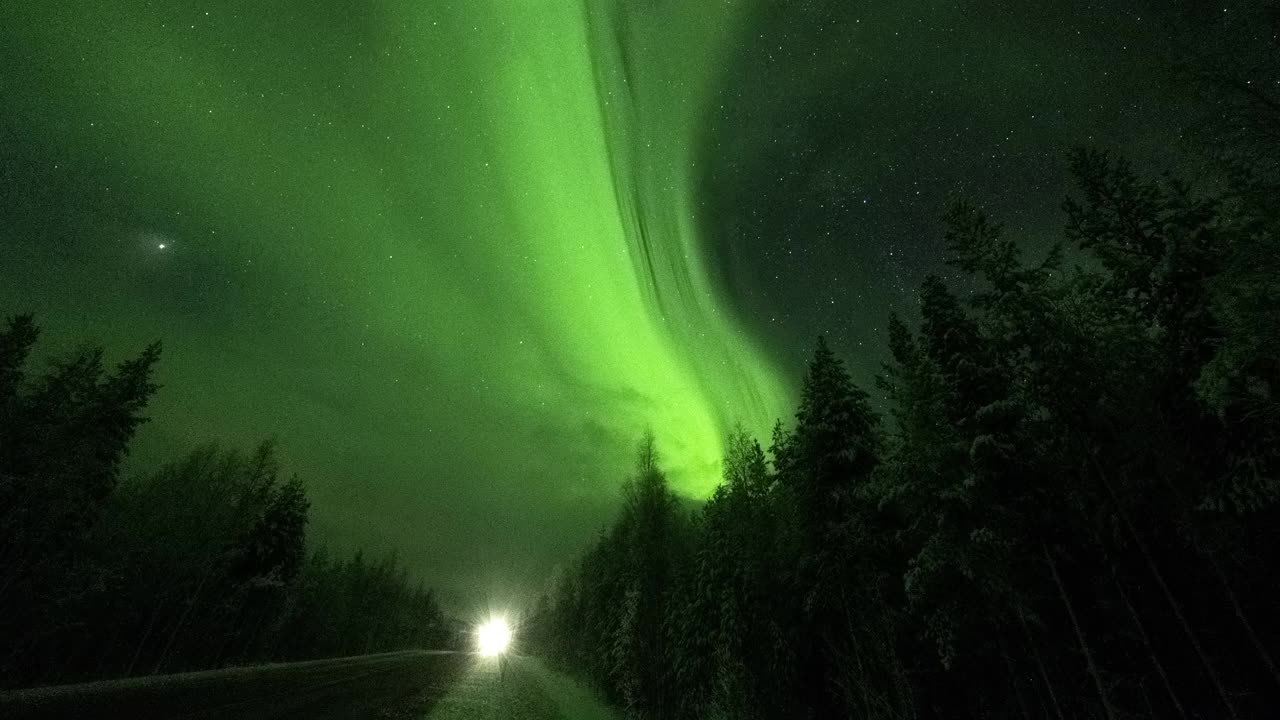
(421, 685)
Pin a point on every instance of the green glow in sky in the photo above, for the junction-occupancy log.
(446, 252)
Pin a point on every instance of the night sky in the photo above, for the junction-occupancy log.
(456, 256)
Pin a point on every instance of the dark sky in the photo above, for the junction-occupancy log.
(456, 257)
(842, 130)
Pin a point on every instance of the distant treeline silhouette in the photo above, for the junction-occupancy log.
(1070, 509)
(202, 563)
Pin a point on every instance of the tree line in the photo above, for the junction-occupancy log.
(202, 563)
(1066, 507)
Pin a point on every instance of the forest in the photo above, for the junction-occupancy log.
(1058, 499)
(202, 563)
(1065, 505)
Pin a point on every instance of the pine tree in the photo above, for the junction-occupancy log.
(834, 445)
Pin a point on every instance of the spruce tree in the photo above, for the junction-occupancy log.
(835, 444)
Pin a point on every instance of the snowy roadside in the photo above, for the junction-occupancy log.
(171, 680)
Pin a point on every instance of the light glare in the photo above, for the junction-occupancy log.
(494, 636)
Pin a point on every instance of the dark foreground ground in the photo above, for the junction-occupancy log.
(437, 685)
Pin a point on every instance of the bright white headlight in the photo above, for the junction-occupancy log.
(494, 636)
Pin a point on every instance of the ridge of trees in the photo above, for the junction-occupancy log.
(1070, 509)
(201, 563)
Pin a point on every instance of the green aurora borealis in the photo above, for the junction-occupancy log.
(457, 256)
(448, 259)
